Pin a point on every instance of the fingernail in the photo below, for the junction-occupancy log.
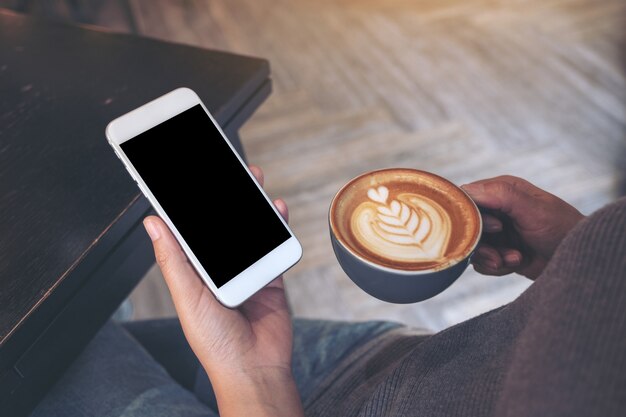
(492, 226)
(491, 265)
(513, 259)
(152, 229)
(473, 188)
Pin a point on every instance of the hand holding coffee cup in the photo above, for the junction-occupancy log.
(523, 225)
(403, 235)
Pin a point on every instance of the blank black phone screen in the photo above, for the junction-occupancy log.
(207, 194)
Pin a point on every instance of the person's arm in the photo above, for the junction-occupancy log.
(522, 225)
(246, 352)
(264, 393)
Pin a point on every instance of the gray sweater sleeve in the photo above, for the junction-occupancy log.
(570, 358)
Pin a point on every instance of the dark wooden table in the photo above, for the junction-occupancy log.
(72, 246)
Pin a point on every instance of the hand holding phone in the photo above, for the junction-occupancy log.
(218, 237)
(224, 222)
(246, 352)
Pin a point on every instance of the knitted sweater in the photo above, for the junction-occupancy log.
(557, 350)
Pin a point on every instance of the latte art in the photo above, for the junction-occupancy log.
(407, 228)
(405, 219)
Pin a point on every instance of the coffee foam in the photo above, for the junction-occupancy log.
(405, 219)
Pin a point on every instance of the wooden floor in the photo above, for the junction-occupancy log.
(465, 88)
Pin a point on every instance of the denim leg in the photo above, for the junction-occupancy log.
(116, 377)
(165, 341)
(320, 345)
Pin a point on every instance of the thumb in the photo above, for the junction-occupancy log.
(506, 193)
(182, 280)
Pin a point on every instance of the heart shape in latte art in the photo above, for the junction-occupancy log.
(410, 228)
(379, 194)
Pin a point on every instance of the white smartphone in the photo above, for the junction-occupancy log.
(184, 165)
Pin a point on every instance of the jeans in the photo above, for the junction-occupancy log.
(148, 369)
